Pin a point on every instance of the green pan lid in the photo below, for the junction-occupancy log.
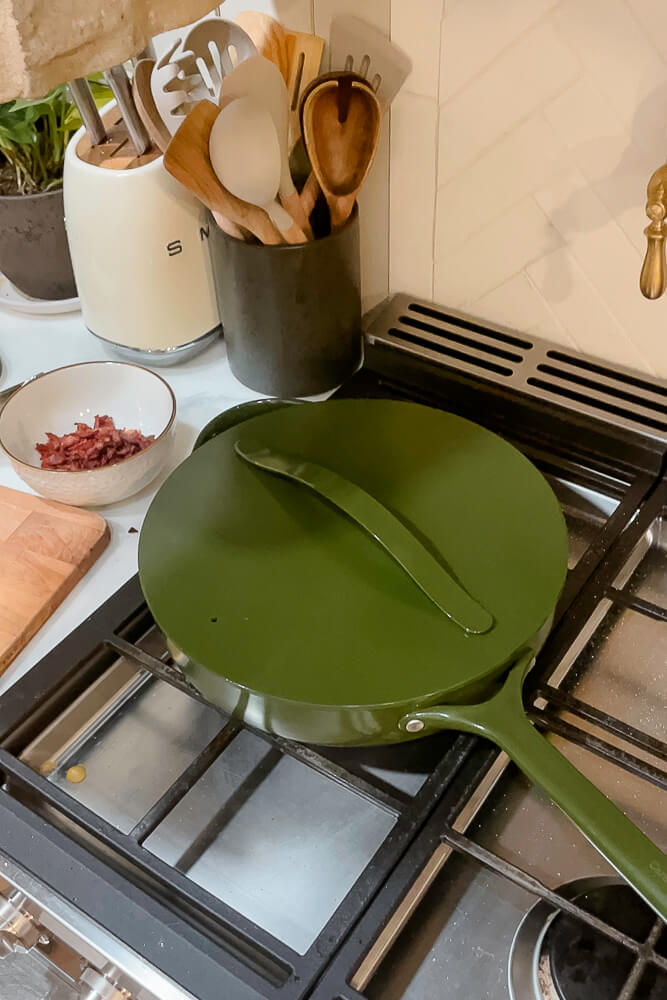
(354, 552)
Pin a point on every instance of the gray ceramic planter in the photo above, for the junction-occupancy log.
(34, 253)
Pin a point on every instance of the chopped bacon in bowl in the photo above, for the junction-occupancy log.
(91, 466)
(92, 447)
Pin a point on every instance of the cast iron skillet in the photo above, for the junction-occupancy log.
(368, 571)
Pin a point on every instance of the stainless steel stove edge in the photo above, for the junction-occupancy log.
(60, 917)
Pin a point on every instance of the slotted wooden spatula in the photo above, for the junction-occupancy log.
(304, 58)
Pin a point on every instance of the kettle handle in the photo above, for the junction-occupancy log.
(432, 578)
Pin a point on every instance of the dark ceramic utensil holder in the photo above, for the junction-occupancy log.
(291, 315)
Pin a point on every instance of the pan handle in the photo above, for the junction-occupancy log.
(396, 539)
(502, 720)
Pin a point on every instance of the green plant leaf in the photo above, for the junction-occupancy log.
(34, 134)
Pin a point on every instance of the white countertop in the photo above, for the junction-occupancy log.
(203, 386)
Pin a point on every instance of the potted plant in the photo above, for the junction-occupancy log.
(34, 254)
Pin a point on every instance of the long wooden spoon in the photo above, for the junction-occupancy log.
(310, 191)
(146, 107)
(187, 159)
(341, 124)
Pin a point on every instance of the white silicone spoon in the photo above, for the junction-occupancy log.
(259, 78)
(245, 155)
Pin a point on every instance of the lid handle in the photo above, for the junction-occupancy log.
(398, 541)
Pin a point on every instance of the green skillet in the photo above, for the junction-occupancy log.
(368, 571)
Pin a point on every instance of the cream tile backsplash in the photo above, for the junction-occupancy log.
(512, 172)
(551, 116)
(412, 193)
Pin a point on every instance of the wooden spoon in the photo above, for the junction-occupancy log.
(341, 123)
(187, 159)
(299, 161)
(148, 112)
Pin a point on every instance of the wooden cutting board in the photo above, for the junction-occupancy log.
(45, 548)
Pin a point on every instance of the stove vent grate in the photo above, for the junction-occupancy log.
(525, 364)
(615, 392)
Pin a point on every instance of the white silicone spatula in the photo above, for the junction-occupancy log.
(245, 154)
(259, 78)
(358, 47)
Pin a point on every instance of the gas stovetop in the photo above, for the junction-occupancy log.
(182, 854)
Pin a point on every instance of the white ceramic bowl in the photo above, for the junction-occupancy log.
(135, 397)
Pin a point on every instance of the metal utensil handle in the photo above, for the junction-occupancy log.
(502, 720)
(117, 79)
(398, 541)
(82, 96)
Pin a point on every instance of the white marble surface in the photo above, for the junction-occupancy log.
(203, 386)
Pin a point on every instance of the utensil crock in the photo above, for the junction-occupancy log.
(291, 315)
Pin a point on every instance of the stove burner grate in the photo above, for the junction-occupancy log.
(582, 960)
(558, 956)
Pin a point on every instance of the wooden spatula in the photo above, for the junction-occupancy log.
(341, 125)
(187, 159)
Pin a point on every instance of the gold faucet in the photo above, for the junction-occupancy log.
(653, 278)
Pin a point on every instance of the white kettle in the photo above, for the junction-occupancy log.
(139, 247)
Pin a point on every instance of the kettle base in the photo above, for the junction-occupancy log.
(163, 356)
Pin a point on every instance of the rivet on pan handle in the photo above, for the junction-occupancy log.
(398, 541)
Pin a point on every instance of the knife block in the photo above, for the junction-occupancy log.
(139, 247)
